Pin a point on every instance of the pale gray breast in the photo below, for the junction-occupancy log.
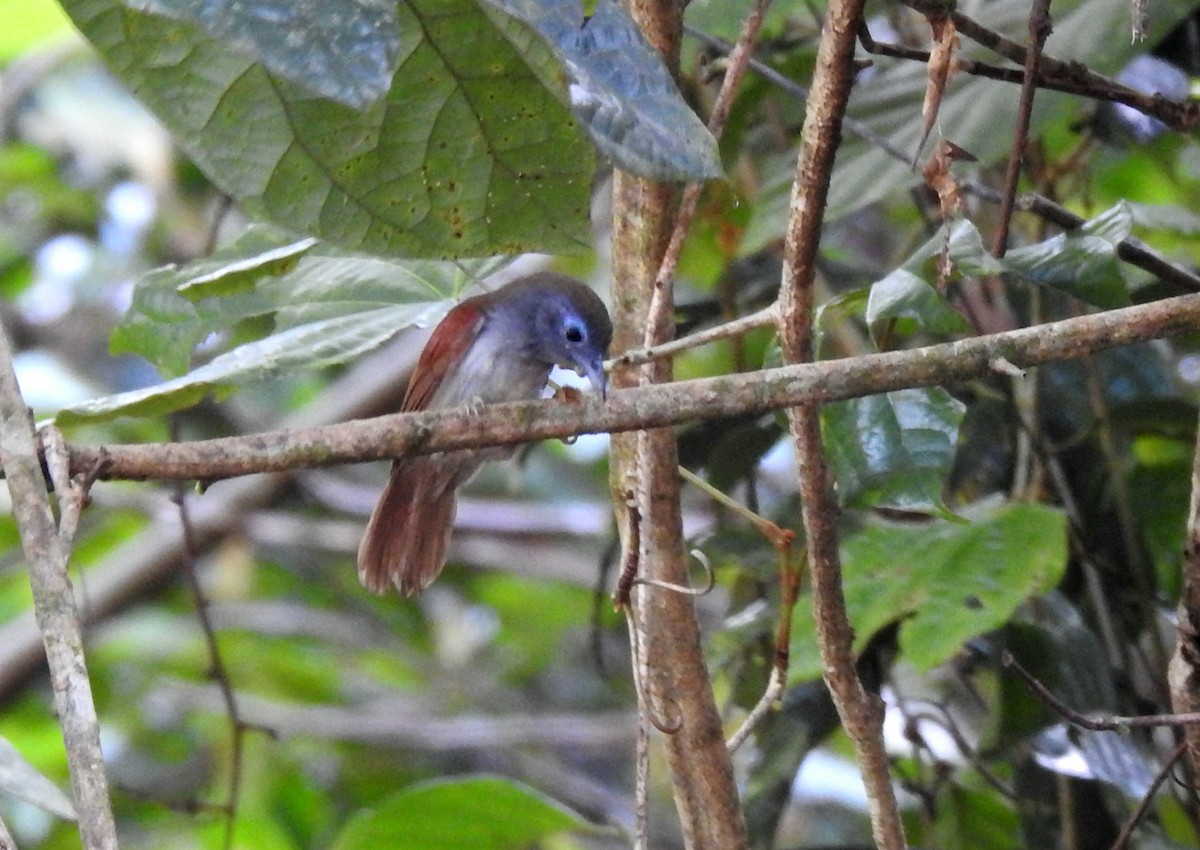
(501, 374)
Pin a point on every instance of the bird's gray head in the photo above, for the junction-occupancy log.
(568, 323)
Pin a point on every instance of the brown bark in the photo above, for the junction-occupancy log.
(861, 712)
(645, 467)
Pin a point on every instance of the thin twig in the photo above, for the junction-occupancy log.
(71, 497)
(217, 671)
(946, 722)
(789, 587)
(642, 760)
(1179, 115)
(710, 579)
(633, 548)
(779, 538)
(223, 209)
(734, 327)
(861, 712)
(658, 319)
(1131, 250)
(1096, 722)
(54, 606)
(1039, 31)
(1183, 670)
(1122, 839)
(801, 93)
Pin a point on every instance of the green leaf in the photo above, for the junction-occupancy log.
(310, 346)
(328, 307)
(471, 152)
(840, 308)
(947, 581)
(966, 250)
(476, 813)
(620, 90)
(903, 295)
(893, 449)
(345, 51)
(241, 275)
(1082, 262)
(1082, 265)
(260, 275)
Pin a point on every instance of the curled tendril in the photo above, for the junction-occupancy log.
(710, 579)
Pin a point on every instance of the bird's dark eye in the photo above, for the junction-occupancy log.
(573, 334)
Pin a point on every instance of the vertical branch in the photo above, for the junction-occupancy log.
(217, 671)
(54, 607)
(645, 463)
(861, 713)
(658, 325)
(1183, 671)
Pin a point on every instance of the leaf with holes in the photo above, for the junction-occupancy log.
(945, 581)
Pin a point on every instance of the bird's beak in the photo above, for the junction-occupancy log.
(594, 372)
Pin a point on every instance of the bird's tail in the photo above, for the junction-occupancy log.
(406, 538)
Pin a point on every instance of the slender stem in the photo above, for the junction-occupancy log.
(658, 324)
(1039, 31)
(54, 607)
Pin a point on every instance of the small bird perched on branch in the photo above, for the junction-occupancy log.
(495, 347)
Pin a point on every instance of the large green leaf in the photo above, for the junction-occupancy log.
(267, 271)
(348, 56)
(946, 581)
(240, 275)
(327, 306)
(472, 151)
(893, 449)
(315, 345)
(621, 91)
(475, 813)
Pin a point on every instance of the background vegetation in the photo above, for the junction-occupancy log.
(203, 235)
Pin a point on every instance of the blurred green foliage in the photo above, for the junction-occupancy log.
(1039, 515)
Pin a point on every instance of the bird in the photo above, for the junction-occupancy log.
(495, 347)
